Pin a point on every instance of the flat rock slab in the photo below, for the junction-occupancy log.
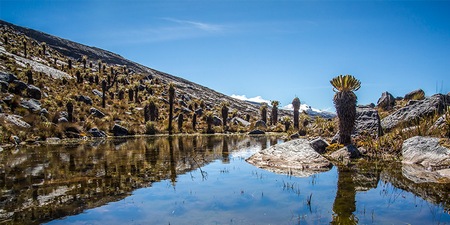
(296, 158)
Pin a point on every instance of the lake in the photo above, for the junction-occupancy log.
(202, 180)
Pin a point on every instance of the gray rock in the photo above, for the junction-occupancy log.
(239, 121)
(427, 152)
(16, 120)
(31, 104)
(97, 92)
(34, 92)
(254, 132)
(415, 110)
(319, 145)
(63, 120)
(386, 101)
(97, 113)
(7, 77)
(367, 122)
(260, 124)
(411, 94)
(346, 153)
(44, 112)
(295, 157)
(95, 132)
(418, 174)
(15, 140)
(85, 99)
(294, 136)
(119, 130)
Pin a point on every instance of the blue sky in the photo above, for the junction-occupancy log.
(274, 49)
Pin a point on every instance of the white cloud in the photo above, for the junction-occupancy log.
(258, 99)
(198, 25)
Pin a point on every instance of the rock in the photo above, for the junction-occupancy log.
(7, 77)
(239, 121)
(97, 113)
(295, 157)
(63, 120)
(367, 122)
(294, 136)
(386, 101)
(44, 112)
(85, 99)
(95, 132)
(16, 120)
(4, 86)
(119, 130)
(346, 153)
(425, 151)
(440, 122)
(319, 145)
(53, 140)
(416, 110)
(34, 92)
(31, 104)
(260, 124)
(97, 92)
(412, 94)
(253, 132)
(18, 87)
(217, 121)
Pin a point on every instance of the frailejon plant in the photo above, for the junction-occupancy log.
(263, 109)
(345, 102)
(180, 122)
(296, 105)
(171, 99)
(224, 110)
(274, 115)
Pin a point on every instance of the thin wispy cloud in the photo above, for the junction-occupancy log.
(197, 25)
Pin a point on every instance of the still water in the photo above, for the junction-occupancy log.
(202, 180)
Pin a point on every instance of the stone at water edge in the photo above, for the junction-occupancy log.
(319, 145)
(346, 153)
(119, 130)
(295, 157)
(253, 132)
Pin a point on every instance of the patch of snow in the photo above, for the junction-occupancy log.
(312, 111)
(257, 99)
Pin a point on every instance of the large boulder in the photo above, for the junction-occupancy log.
(415, 94)
(431, 160)
(34, 92)
(415, 110)
(367, 122)
(425, 151)
(7, 77)
(16, 120)
(18, 87)
(386, 101)
(295, 157)
(118, 130)
(239, 121)
(31, 104)
(97, 92)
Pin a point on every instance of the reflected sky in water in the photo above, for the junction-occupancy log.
(231, 191)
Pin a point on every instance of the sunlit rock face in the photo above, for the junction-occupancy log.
(425, 160)
(295, 157)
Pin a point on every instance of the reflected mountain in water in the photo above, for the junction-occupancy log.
(43, 183)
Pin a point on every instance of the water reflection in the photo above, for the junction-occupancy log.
(45, 183)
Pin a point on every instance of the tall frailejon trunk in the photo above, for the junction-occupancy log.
(171, 97)
(345, 103)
